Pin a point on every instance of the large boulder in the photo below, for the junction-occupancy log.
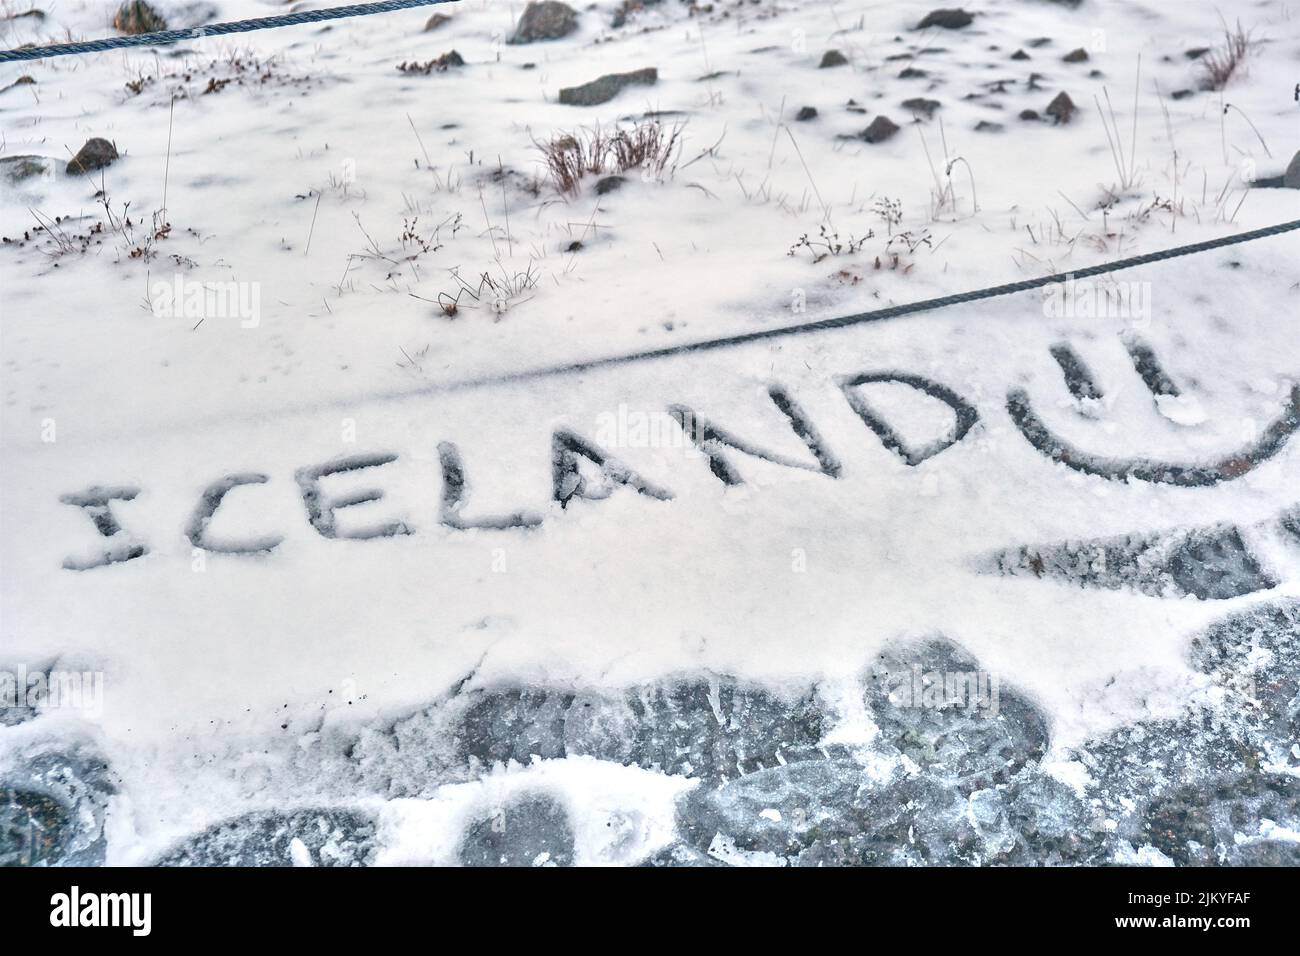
(547, 20)
(607, 87)
(946, 19)
(136, 16)
(96, 154)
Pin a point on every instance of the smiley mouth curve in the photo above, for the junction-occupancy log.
(1275, 437)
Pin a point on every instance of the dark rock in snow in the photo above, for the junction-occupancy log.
(1020, 55)
(933, 704)
(24, 80)
(546, 20)
(436, 21)
(610, 184)
(531, 831)
(1197, 52)
(607, 87)
(696, 728)
(136, 16)
(629, 7)
(921, 106)
(1037, 42)
(96, 154)
(833, 812)
(912, 73)
(712, 729)
(781, 810)
(1076, 56)
(1062, 108)
(805, 114)
(1206, 824)
(1029, 115)
(1180, 94)
(881, 129)
(1288, 180)
(947, 19)
(325, 837)
(1213, 564)
(17, 169)
(33, 828)
(986, 126)
(1257, 654)
(53, 809)
(513, 724)
(832, 58)
(1134, 764)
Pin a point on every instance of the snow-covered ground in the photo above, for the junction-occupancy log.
(340, 205)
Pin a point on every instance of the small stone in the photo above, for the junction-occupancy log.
(1037, 42)
(607, 87)
(610, 184)
(947, 19)
(806, 114)
(96, 154)
(531, 831)
(881, 129)
(1061, 108)
(1020, 55)
(23, 80)
(1076, 56)
(921, 106)
(436, 21)
(985, 126)
(547, 20)
(1180, 94)
(136, 16)
(833, 58)
(1029, 115)
(1197, 52)
(912, 73)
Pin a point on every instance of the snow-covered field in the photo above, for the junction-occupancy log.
(564, 632)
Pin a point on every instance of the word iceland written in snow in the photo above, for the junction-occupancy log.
(583, 468)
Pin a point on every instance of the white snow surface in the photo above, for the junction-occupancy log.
(219, 665)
